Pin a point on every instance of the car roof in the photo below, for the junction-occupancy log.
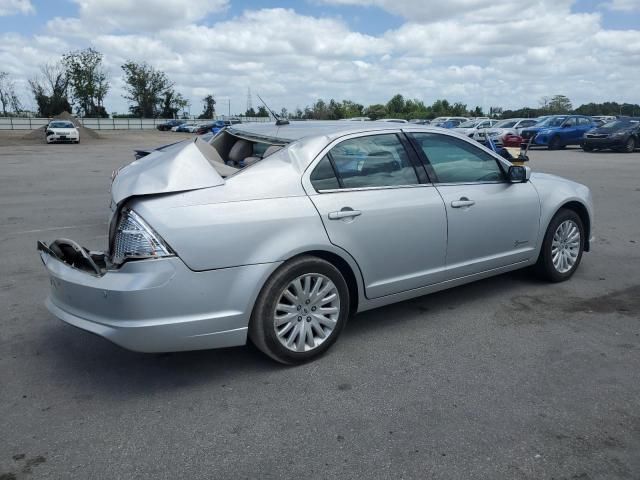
(311, 128)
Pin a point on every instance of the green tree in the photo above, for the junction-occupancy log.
(8, 97)
(251, 112)
(146, 88)
(351, 109)
(209, 110)
(50, 90)
(87, 81)
(376, 111)
(262, 112)
(171, 104)
(396, 106)
(559, 104)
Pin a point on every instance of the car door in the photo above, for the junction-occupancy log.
(524, 124)
(370, 193)
(491, 222)
(570, 132)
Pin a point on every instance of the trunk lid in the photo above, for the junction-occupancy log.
(188, 165)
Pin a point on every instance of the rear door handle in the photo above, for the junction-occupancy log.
(346, 212)
(463, 202)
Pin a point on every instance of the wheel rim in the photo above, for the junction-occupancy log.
(307, 312)
(631, 145)
(565, 246)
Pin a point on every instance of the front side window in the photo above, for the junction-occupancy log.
(372, 161)
(571, 122)
(457, 161)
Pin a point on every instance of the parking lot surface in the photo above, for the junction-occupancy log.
(507, 378)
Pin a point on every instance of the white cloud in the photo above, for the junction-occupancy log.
(13, 7)
(140, 15)
(624, 5)
(460, 51)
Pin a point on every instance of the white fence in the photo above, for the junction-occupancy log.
(27, 123)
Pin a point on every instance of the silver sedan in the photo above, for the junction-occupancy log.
(279, 233)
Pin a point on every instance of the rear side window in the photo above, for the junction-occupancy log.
(323, 176)
(457, 161)
(373, 161)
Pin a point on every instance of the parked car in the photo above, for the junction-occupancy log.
(187, 128)
(452, 123)
(440, 121)
(470, 127)
(220, 124)
(205, 128)
(605, 118)
(61, 131)
(393, 120)
(420, 121)
(558, 131)
(163, 127)
(326, 219)
(622, 135)
(498, 132)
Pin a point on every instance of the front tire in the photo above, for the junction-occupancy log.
(562, 247)
(587, 148)
(300, 311)
(554, 143)
(630, 145)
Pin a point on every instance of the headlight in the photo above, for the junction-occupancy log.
(134, 239)
(618, 134)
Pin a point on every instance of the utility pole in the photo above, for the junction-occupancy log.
(249, 100)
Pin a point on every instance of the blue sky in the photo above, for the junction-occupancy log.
(481, 53)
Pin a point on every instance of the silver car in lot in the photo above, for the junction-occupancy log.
(279, 233)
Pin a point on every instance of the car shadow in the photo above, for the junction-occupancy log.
(98, 365)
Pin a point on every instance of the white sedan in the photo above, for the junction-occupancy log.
(62, 131)
(511, 126)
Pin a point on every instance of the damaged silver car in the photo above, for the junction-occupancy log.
(279, 233)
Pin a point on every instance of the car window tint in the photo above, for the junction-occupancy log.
(584, 121)
(571, 122)
(457, 161)
(323, 177)
(373, 161)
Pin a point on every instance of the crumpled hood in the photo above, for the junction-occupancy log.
(180, 167)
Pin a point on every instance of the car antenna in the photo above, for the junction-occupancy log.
(279, 121)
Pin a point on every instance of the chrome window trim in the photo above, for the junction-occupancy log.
(364, 189)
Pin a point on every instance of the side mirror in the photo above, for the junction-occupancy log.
(519, 174)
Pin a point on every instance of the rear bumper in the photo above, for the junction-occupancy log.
(157, 305)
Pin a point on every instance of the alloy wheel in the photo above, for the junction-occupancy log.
(307, 312)
(565, 246)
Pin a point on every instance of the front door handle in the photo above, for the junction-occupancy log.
(463, 202)
(345, 212)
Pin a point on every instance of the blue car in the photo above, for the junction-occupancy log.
(558, 131)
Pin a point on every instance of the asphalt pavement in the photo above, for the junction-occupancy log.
(506, 378)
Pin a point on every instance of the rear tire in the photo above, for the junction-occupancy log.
(300, 311)
(562, 247)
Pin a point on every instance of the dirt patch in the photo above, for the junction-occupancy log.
(86, 134)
